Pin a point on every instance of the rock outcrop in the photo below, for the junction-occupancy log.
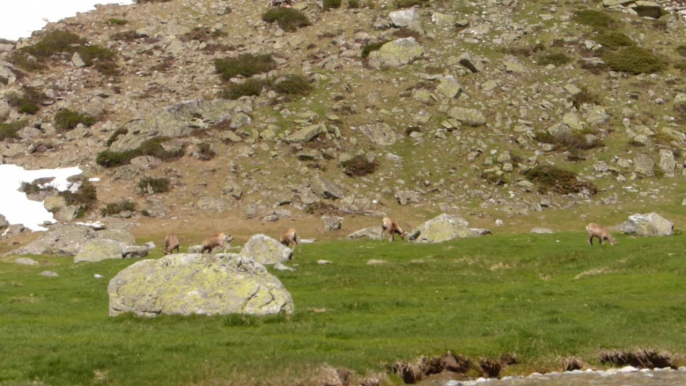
(266, 250)
(445, 227)
(372, 233)
(650, 224)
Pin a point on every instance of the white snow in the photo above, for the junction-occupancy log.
(16, 207)
(21, 17)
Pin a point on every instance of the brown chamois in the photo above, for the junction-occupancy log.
(171, 242)
(290, 237)
(218, 240)
(390, 227)
(599, 231)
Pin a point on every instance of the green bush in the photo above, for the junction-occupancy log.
(556, 59)
(246, 65)
(353, 4)
(371, 47)
(294, 85)
(34, 187)
(289, 19)
(571, 142)
(329, 4)
(117, 207)
(114, 21)
(634, 60)
(614, 40)
(681, 66)
(66, 120)
(115, 135)
(28, 102)
(584, 97)
(153, 185)
(85, 197)
(359, 166)
(125, 36)
(554, 179)
(251, 87)
(681, 50)
(593, 18)
(410, 3)
(152, 147)
(9, 130)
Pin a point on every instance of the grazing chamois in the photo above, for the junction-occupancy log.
(290, 237)
(171, 242)
(599, 231)
(390, 227)
(218, 240)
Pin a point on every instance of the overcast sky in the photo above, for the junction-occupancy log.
(19, 18)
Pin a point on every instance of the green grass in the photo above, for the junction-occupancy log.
(541, 298)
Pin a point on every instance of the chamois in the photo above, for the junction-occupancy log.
(218, 240)
(390, 227)
(290, 237)
(171, 242)
(599, 231)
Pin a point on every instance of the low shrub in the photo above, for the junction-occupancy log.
(117, 207)
(115, 135)
(681, 50)
(359, 166)
(570, 142)
(493, 178)
(246, 65)
(126, 36)
(525, 51)
(152, 147)
(557, 59)
(251, 87)
(614, 40)
(9, 130)
(681, 66)
(594, 19)
(407, 33)
(34, 187)
(410, 3)
(53, 43)
(202, 34)
(66, 120)
(554, 179)
(353, 4)
(294, 85)
(371, 47)
(151, 185)
(330, 4)
(584, 97)
(634, 60)
(115, 21)
(28, 102)
(289, 19)
(85, 197)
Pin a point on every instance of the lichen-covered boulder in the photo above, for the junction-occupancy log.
(98, 250)
(121, 235)
(185, 284)
(325, 188)
(266, 250)
(469, 117)
(651, 224)
(396, 53)
(372, 233)
(445, 227)
(380, 133)
(306, 134)
(62, 241)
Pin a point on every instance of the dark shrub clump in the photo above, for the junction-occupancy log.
(329, 4)
(289, 19)
(117, 207)
(614, 40)
(152, 147)
(556, 59)
(359, 166)
(115, 135)
(584, 97)
(246, 65)
(125, 36)
(554, 179)
(369, 48)
(151, 185)
(352, 4)
(251, 87)
(115, 21)
(681, 50)
(410, 3)
(66, 120)
(9, 130)
(634, 60)
(294, 85)
(85, 197)
(29, 102)
(593, 18)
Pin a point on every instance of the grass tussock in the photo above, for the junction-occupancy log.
(293, 85)
(584, 97)
(400, 4)
(66, 120)
(557, 180)
(126, 36)
(28, 102)
(353, 4)
(359, 166)
(569, 142)
(152, 147)
(557, 59)
(251, 87)
(245, 65)
(115, 21)
(634, 60)
(371, 47)
(115, 208)
(614, 40)
(288, 19)
(595, 19)
(152, 185)
(331, 4)
(85, 197)
(8, 130)
(681, 50)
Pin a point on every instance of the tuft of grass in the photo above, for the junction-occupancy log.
(371, 47)
(153, 185)
(595, 19)
(115, 135)
(246, 65)
(353, 4)
(410, 3)
(570, 142)
(614, 40)
(681, 50)
(681, 66)
(28, 102)
(117, 207)
(151, 147)
(126, 36)
(251, 87)
(584, 97)
(634, 60)
(34, 187)
(359, 166)
(66, 120)
(557, 59)
(85, 197)
(331, 4)
(557, 180)
(288, 19)
(9, 130)
(115, 21)
(294, 85)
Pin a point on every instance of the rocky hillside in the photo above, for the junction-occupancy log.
(533, 112)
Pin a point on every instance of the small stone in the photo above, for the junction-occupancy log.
(49, 274)
(25, 261)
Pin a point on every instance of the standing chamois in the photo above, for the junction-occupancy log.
(599, 231)
(390, 227)
(171, 242)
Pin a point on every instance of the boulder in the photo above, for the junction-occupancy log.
(449, 86)
(54, 203)
(541, 231)
(445, 227)
(266, 250)
(25, 261)
(63, 241)
(372, 233)
(443, 19)
(645, 165)
(470, 117)
(396, 53)
(325, 188)
(470, 63)
(212, 204)
(134, 251)
(306, 134)
(332, 223)
(68, 213)
(404, 17)
(647, 9)
(122, 235)
(98, 250)
(667, 162)
(380, 133)
(651, 224)
(186, 284)
(195, 249)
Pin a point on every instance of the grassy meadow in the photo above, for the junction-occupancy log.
(539, 297)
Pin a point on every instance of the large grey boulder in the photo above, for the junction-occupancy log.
(404, 17)
(445, 227)
(185, 284)
(650, 224)
(667, 162)
(332, 223)
(470, 117)
(325, 188)
(645, 165)
(380, 133)
(99, 250)
(647, 9)
(306, 134)
(396, 53)
(63, 241)
(372, 233)
(121, 235)
(266, 250)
